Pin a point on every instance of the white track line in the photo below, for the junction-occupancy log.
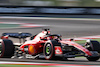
(23, 25)
(48, 18)
(45, 64)
(84, 38)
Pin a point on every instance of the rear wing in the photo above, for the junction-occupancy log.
(17, 35)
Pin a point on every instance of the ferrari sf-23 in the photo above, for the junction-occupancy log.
(46, 45)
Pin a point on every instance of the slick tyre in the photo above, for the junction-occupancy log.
(94, 46)
(93, 58)
(49, 49)
(6, 49)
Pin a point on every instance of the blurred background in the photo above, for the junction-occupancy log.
(76, 19)
(77, 3)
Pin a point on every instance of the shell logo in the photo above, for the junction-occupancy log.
(31, 49)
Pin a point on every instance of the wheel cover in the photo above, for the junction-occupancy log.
(48, 50)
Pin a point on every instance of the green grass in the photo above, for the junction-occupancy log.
(9, 65)
(9, 25)
(84, 41)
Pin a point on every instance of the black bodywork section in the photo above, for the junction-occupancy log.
(17, 35)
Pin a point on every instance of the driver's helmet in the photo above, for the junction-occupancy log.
(47, 31)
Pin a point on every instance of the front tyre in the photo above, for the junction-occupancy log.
(92, 58)
(93, 46)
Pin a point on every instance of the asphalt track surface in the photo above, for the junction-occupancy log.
(67, 28)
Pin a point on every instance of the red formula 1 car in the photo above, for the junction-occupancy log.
(49, 46)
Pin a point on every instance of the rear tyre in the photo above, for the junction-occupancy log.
(49, 50)
(6, 49)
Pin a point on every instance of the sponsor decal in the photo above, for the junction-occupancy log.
(58, 50)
